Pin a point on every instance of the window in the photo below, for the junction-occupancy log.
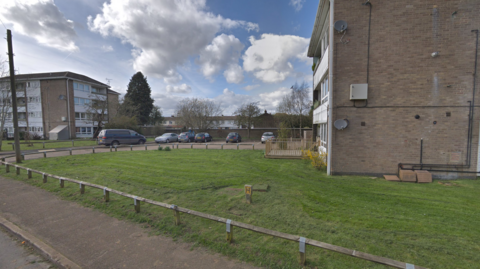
(21, 115)
(324, 90)
(84, 130)
(35, 114)
(20, 86)
(81, 87)
(34, 99)
(322, 133)
(83, 116)
(81, 101)
(35, 129)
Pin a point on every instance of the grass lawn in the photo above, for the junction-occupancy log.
(432, 225)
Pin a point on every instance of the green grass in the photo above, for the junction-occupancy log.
(432, 225)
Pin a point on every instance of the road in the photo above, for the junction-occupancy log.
(13, 254)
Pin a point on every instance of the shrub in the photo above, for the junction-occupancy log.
(318, 159)
(167, 148)
(160, 148)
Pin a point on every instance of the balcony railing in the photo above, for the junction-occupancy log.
(321, 69)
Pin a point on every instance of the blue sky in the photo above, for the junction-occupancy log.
(230, 51)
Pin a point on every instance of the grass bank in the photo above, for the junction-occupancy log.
(432, 225)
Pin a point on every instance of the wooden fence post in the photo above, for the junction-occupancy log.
(229, 231)
(177, 145)
(82, 188)
(62, 183)
(110, 148)
(106, 194)
(206, 146)
(23, 157)
(253, 146)
(18, 170)
(3, 160)
(7, 168)
(176, 214)
(222, 146)
(248, 193)
(145, 147)
(44, 177)
(45, 154)
(115, 148)
(191, 146)
(136, 203)
(302, 256)
(29, 173)
(93, 150)
(238, 145)
(70, 151)
(131, 148)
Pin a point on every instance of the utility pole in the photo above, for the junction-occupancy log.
(14, 98)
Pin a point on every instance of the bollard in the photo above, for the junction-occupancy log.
(191, 146)
(115, 148)
(7, 168)
(206, 146)
(238, 146)
(248, 193)
(43, 144)
(229, 231)
(44, 177)
(253, 146)
(93, 150)
(110, 148)
(82, 188)
(176, 214)
(62, 183)
(136, 203)
(29, 173)
(222, 146)
(45, 155)
(23, 157)
(131, 148)
(145, 147)
(18, 170)
(73, 145)
(106, 194)
(302, 250)
(70, 151)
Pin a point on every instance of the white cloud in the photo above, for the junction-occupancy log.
(297, 4)
(270, 57)
(223, 52)
(167, 102)
(272, 99)
(164, 34)
(107, 48)
(251, 87)
(41, 20)
(184, 88)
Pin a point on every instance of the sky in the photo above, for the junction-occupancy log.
(229, 51)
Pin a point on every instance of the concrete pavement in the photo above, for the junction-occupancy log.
(92, 239)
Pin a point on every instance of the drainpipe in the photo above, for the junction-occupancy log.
(68, 111)
(330, 91)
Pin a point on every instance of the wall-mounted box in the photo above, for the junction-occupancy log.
(358, 91)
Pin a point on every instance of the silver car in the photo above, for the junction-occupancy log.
(167, 138)
(267, 136)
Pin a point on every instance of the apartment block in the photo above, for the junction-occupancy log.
(57, 100)
(394, 86)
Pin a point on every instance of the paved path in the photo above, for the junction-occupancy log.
(94, 240)
(15, 255)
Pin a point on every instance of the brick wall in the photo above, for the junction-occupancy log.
(405, 81)
(54, 108)
(112, 104)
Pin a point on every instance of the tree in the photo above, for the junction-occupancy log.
(155, 116)
(138, 94)
(96, 112)
(198, 113)
(295, 105)
(123, 122)
(247, 115)
(5, 100)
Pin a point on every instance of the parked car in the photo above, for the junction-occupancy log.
(186, 137)
(234, 137)
(203, 137)
(267, 136)
(116, 137)
(167, 138)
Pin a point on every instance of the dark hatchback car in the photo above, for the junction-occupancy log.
(203, 137)
(116, 137)
(234, 137)
(186, 137)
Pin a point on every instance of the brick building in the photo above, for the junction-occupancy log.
(57, 99)
(416, 63)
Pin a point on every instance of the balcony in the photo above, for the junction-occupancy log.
(320, 114)
(321, 69)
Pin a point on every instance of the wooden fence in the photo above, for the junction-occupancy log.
(229, 223)
(287, 148)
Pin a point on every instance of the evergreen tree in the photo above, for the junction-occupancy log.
(138, 95)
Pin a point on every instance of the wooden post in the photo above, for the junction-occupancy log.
(62, 183)
(18, 170)
(82, 188)
(110, 148)
(44, 154)
(136, 203)
(71, 151)
(222, 146)
(3, 160)
(248, 193)
(206, 146)
(115, 148)
(145, 147)
(238, 145)
(302, 256)
(229, 231)
(106, 194)
(131, 148)
(253, 146)
(177, 145)
(23, 157)
(44, 176)
(191, 146)
(176, 214)
(29, 173)
(7, 168)
(93, 150)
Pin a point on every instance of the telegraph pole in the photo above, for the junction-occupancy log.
(14, 98)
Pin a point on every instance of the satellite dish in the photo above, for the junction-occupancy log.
(340, 26)
(341, 124)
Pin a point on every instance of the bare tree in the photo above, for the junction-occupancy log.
(247, 114)
(198, 113)
(5, 99)
(295, 105)
(96, 112)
